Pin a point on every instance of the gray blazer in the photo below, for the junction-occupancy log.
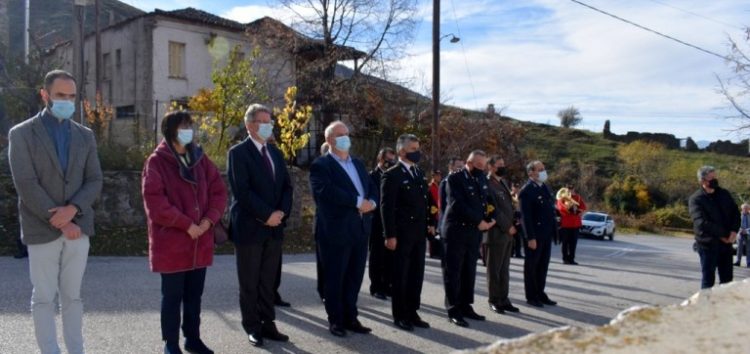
(41, 183)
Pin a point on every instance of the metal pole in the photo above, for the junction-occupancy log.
(98, 50)
(435, 82)
(26, 29)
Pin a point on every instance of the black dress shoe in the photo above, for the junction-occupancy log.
(21, 255)
(172, 348)
(337, 330)
(281, 303)
(418, 322)
(535, 303)
(404, 324)
(736, 263)
(497, 309)
(470, 314)
(380, 296)
(196, 346)
(459, 321)
(255, 339)
(510, 308)
(357, 327)
(270, 331)
(549, 302)
(573, 263)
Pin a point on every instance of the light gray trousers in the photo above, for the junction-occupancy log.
(56, 268)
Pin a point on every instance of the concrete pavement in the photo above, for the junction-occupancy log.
(121, 301)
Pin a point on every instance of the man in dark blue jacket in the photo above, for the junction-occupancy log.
(538, 218)
(468, 213)
(345, 197)
(716, 220)
(261, 203)
(381, 259)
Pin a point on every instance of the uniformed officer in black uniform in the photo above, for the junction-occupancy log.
(538, 216)
(381, 259)
(468, 213)
(454, 166)
(405, 209)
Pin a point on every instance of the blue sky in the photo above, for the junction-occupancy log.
(535, 57)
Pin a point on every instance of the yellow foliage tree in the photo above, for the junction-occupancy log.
(292, 122)
(98, 118)
(236, 85)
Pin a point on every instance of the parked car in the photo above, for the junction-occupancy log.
(598, 224)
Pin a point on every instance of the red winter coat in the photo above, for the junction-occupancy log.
(570, 220)
(173, 202)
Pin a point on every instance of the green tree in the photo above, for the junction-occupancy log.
(293, 121)
(236, 85)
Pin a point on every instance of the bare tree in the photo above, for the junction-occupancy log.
(570, 117)
(736, 89)
(373, 33)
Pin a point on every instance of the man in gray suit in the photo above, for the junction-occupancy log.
(57, 177)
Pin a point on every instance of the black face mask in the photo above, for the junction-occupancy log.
(477, 173)
(414, 156)
(501, 171)
(388, 164)
(713, 184)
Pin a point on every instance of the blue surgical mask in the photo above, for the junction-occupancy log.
(343, 143)
(62, 109)
(542, 176)
(265, 130)
(184, 136)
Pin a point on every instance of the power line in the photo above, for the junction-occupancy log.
(466, 60)
(696, 14)
(651, 30)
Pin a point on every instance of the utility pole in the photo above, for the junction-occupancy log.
(99, 69)
(435, 83)
(26, 30)
(79, 69)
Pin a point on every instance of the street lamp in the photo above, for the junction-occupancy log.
(436, 38)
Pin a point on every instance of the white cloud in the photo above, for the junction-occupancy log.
(539, 57)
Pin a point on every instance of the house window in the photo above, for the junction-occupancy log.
(107, 65)
(125, 112)
(177, 60)
(118, 59)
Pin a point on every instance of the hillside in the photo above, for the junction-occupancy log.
(51, 20)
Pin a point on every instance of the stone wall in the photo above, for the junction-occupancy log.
(121, 206)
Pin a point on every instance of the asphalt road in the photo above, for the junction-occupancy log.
(121, 299)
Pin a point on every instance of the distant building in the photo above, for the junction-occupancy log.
(161, 57)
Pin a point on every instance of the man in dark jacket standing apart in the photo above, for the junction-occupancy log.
(261, 203)
(405, 208)
(345, 197)
(500, 239)
(538, 216)
(468, 213)
(716, 220)
(381, 258)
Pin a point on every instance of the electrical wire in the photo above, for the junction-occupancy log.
(651, 30)
(466, 60)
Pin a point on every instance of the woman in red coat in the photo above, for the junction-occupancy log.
(571, 207)
(184, 196)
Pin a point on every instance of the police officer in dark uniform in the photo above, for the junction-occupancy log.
(538, 217)
(381, 259)
(454, 165)
(468, 213)
(405, 208)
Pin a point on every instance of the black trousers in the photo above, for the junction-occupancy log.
(716, 257)
(518, 242)
(182, 289)
(408, 275)
(535, 268)
(460, 268)
(319, 270)
(569, 238)
(380, 265)
(344, 269)
(257, 268)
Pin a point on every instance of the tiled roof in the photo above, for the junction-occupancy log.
(195, 15)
